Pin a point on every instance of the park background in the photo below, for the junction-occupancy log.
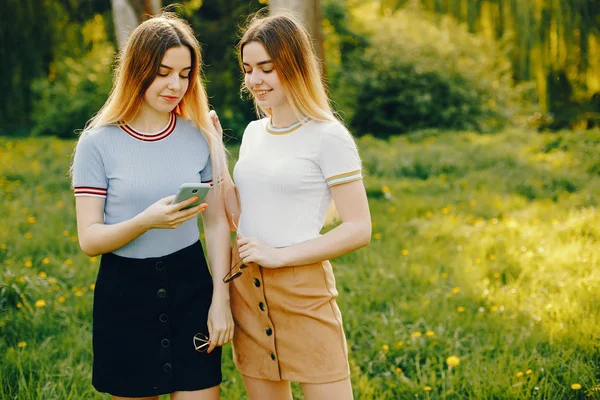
(478, 124)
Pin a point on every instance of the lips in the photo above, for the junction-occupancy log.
(170, 99)
(260, 94)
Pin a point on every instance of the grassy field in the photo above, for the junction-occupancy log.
(482, 280)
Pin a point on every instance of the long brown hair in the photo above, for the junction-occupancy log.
(136, 68)
(289, 47)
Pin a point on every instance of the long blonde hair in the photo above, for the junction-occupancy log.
(136, 68)
(290, 49)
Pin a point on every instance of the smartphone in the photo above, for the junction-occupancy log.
(188, 190)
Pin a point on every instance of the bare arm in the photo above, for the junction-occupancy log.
(96, 237)
(218, 243)
(354, 232)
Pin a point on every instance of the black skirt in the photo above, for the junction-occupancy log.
(146, 313)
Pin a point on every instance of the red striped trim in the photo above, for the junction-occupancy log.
(151, 138)
(208, 181)
(90, 190)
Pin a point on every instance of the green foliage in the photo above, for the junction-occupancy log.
(76, 87)
(418, 74)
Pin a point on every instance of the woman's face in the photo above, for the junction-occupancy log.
(171, 82)
(261, 78)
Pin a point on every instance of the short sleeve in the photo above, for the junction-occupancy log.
(338, 157)
(206, 175)
(89, 174)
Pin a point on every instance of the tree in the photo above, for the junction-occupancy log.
(127, 14)
(309, 12)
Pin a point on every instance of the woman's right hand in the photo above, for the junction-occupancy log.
(164, 215)
(216, 123)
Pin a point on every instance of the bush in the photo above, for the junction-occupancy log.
(75, 88)
(421, 73)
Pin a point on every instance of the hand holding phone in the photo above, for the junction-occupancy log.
(188, 190)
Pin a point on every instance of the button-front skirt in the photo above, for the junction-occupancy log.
(288, 324)
(146, 313)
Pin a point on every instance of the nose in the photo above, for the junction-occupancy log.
(255, 78)
(174, 82)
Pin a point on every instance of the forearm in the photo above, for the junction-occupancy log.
(341, 240)
(218, 245)
(101, 238)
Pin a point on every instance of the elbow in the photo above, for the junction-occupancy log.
(363, 236)
(88, 249)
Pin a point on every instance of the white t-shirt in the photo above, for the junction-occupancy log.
(283, 177)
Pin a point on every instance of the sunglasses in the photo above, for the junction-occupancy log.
(236, 270)
(201, 342)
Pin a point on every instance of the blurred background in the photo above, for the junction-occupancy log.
(393, 66)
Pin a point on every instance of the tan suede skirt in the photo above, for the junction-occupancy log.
(287, 324)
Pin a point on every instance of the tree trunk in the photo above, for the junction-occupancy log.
(309, 12)
(127, 14)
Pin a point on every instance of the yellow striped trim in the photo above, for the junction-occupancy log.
(342, 175)
(284, 131)
(358, 178)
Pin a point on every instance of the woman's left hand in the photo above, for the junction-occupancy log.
(220, 323)
(216, 123)
(253, 250)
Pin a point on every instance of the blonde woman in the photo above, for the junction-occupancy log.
(159, 317)
(292, 164)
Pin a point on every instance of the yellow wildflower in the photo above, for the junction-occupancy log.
(377, 236)
(93, 259)
(22, 344)
(28, 235)
(400, 344)
(455, 290)
(404, 252)
(68, 261)
(31, 219)
(92, 286)
(21, 279)
(73, 238)
(415, 334)
(51, 281)
(444, 275)
(452, 361)
(528, 372)
(460, 309)
(576, 386)
(519, 374)
(40, 303)
(79, 293)
(19, 305)
(43, 275)
(385, 189)
(430, 333)
(61, 299)
(66, 233)
(427, 388)
(385, 347)
(46, 260)
(398, 370)
(428, 214)
(393, 209)
(28, 263)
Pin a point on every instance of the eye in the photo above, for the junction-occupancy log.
(268, 71)
(163, 75)
(184, 77)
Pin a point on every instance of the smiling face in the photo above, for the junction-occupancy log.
(171, 82)
(262, 80)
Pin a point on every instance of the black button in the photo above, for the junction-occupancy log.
(165, 343)
(262, 306)
(162, 293)
(160, 266)
(167, 367)
(256, 282)
(269, 331)
(163, 317)
(272, 356)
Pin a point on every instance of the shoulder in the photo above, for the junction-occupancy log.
(333, 132)
(189, 129)
(97, 136)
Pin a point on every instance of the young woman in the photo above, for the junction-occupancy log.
(155, 303)
(292, 163)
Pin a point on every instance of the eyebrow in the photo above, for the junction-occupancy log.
(260, 63)
(167, 67)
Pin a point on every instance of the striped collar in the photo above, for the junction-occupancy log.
(288, 129)
(153, 137)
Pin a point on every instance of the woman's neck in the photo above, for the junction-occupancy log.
(283, 116)
(149, 122)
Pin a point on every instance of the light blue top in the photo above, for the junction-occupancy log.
(132, 170)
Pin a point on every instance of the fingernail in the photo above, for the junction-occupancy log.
(195, 198)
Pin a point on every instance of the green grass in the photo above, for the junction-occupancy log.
(485, 247)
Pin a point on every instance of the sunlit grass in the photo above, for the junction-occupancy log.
(481, 281)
